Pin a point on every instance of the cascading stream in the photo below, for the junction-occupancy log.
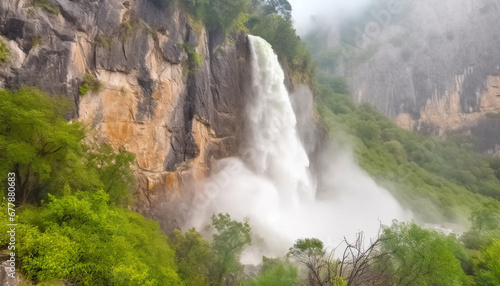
(273, 148)
(270, 184)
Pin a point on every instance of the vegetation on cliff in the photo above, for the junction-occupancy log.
(4, 51)
(74, 226)
(269, 19)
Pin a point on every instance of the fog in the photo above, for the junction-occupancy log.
(304, 12)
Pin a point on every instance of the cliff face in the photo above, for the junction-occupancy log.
(173, 91)
(433, 68)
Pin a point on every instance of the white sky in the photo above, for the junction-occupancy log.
(302, 10)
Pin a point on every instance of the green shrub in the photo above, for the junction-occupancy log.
(217, 14)
(194, 58)
(276, 272)
(105, 41)
(38, 144)
(80, 238)
(415, 256)
(45, 4)
(90, 83)
(36, 41)
(4, 52)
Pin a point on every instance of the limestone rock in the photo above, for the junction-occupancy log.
(430, 67)
(176, 120)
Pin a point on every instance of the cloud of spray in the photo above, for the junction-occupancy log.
(271, 183)
(350, 202)
(304, 12)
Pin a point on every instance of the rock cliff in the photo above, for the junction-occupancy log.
(433, 67)
(172, 90)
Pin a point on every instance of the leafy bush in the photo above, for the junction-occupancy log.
(194, 59)
(46, 152)
(47, 5)
(217, 14)
(231, 238)
(416, 256)
(36, 41)
(105, 41)
(80, 238)
(4, 52)
(37, 142)
(114, 172)
(90, 83)
(212, 263)
(194, 257)
(279, 32)
(275, 272)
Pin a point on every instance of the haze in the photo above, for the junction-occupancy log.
(303, 11)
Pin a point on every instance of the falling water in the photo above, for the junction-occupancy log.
(271, 185)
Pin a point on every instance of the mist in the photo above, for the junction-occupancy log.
(273, 185)
(305, 13)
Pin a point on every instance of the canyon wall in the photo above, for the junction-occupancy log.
(172, 94)
(434, 66)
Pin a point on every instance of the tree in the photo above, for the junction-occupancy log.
(38, 144)
(419, 257)
(193, 256)
(228, 244)
(82, 239)
(279, 33)
(281, 7)
(217, 14)
(275, 272)
(114, 172)
(488, 268)
(310, 252)
(356, 266)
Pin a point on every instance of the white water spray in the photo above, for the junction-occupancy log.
(271, 184)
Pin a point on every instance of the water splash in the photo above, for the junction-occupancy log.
(270, 183)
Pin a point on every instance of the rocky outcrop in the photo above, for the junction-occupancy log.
(175, 114)
(8, 277)
(433, 67)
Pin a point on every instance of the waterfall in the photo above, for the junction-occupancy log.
(272, 147)
(270, 182)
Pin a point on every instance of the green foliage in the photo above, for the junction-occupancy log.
(46, 152)
(278, 7)
(90, 83)
(4, 52)
(36, 143)
(48, 6)
(416, 256)
(80, 238)
(194, 257)
(397, 149)
(194, 58)
(488, 265)
(269, 19)
(212, 263)
(217, 14)
(36, 41)
(307, 247)
(485, 222)
(279, 32)
(105, 41)
(229, 242)
(114, 172)
(275, 272)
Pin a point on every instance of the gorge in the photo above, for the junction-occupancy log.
(203, 142)
(272, 185)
